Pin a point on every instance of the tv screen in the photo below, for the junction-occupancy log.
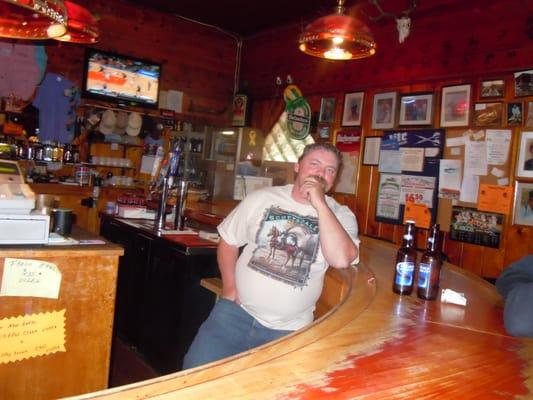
(119, 78)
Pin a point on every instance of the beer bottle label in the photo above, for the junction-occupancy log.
(423, 275)
(404, 273)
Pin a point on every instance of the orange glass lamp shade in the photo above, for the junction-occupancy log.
(82, 26)
(32, 19)
(337, 37)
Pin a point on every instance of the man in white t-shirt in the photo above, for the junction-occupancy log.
(289, 235)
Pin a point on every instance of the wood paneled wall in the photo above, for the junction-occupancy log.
(459, 42)
(197, 60)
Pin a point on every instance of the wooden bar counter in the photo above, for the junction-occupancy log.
(374, 344)
(63, 344)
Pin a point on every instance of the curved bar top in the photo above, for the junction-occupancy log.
(374, 344)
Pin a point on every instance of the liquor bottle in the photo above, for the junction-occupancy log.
(405, 261)
(430, 266)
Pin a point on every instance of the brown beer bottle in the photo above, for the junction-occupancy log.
(430, 266)
(405, 261)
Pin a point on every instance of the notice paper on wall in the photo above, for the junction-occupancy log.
(31, 335)
(30, 278)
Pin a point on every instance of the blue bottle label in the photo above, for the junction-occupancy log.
(423, 275)
(404, 273)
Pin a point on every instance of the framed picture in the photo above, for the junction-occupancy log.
(353, 109)
(324, 131)
(416, 109)
(524, 167)
(523, 204)
(514, 114)
(477, 227)
(371, 151)
(523, 83)
(455, 106)
(327, 109)
(488, 114)
(384, 110)
(494, 88)
(529, 118)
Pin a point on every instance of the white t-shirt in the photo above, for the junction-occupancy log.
(280, 272)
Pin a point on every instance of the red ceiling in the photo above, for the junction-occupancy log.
(247, 17)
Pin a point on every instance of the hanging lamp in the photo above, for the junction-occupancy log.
(337, 37)
(81, 27)
(32, 19)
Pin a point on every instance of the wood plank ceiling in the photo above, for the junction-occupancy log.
(248, 17)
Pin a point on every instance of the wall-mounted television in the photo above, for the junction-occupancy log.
(121, 79)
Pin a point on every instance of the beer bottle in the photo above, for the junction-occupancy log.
(430, 266)
(405, 261)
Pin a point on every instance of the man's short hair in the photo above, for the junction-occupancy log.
(322, 146)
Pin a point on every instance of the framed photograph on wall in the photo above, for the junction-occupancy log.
(523, 204)
(529, 115)
(523, 83)
(324, 131)
(494, 88)
(384, 110)
(353, 109)
(455, 106)
(524, 167)
(488, 114)
(514, 114)
(416, 109)
(327, 109)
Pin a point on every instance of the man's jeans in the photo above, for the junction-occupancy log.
(227, 331)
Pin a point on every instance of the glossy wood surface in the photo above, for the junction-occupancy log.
(87, 296)
(373, 344)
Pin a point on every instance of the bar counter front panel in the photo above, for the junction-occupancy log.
(74, 356)
(374, 344)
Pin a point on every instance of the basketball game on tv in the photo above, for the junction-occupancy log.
(115, 77)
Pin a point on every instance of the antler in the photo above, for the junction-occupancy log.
(410, 9)
(382, 13)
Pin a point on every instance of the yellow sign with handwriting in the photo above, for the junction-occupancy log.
(30, 278)
(31, 335)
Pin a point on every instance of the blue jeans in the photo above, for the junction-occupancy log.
(228, 330)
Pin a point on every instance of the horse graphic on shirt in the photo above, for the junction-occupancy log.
(286, 241)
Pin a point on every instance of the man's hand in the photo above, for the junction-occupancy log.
(314, 190)
(231, 295)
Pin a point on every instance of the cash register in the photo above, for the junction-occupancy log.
(17, 224)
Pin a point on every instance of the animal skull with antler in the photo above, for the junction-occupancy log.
(403, 24)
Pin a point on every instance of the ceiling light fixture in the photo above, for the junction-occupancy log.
(338, 37)
(32, 19)
(81, 27)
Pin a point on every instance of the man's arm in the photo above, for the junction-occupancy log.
(337, 246)
(227, 260)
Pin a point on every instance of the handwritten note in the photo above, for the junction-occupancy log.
(30, 278)
(31, 336)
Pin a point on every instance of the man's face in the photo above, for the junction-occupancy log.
(321, 163)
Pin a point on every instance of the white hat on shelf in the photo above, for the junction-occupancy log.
(107, 124)
(135, 122)
(122, 123)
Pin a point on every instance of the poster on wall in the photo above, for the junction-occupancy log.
(389, 196)
(410, 160)
(477, 227)
(349, 144)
